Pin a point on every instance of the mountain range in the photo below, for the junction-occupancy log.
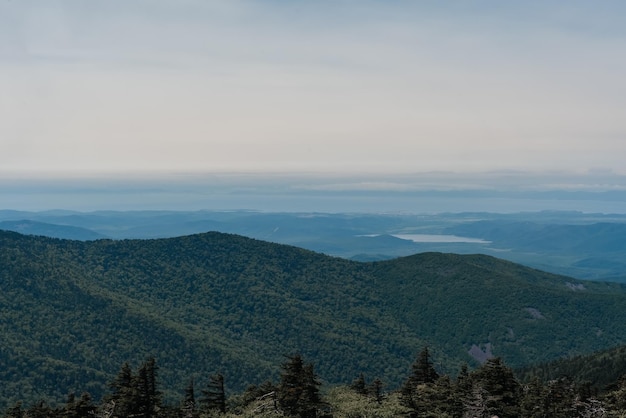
(581, 245)
(73, 311)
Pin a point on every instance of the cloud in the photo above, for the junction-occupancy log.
(327, 86)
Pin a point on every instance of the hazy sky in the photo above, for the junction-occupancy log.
(323, 86)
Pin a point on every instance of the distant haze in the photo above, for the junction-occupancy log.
(503, 192)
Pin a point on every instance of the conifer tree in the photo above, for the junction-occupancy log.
(533, 399)
(298, 390)
(188, 407)
(616, 397)
(40, 410)
(214, 394)
(85, 406)
(502, 390)
(149, 398)
(359, 385)
(15, 411)
(377, 390)
(423, 369)
(422, 372)
(560, 398)
(82, 407)
(124, 396)
(136, 395)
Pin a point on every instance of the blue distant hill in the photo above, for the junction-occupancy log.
(28, 227)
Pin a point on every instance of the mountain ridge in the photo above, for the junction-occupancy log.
(220, 302)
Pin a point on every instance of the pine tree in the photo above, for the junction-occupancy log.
(82, 407)
(377, 390)
(422, 372)
(188, 407)
(214, 394)
(15, 411)
(40, 410)
(125, 396)
(298, 391)
(560, 398)
(500, 386)
(149, 398)
(616, 397)
(533, 399)
(359, 385)
(85, 406)
(136, 395)
(423, 369)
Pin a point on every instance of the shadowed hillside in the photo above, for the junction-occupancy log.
(223, 303)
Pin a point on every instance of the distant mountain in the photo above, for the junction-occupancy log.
(586, 246)
(73, 311)
(29, 227)
(593, 238)
(593, 250)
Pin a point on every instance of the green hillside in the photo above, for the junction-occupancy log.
(601, 369)
(72, 312)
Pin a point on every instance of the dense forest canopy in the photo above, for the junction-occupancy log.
(213, 303)
(490, 390)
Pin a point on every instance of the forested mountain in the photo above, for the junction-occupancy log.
(582, 245)
(600, 370)
(72, 312)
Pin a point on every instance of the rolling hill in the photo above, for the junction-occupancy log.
(29, 227)
(73, 311)
(582, 245)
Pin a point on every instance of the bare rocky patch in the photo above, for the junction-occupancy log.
(480, 353)
(535, 313)
(575, 286)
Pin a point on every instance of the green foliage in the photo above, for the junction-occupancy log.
(214, 395)
(72, 312)
(346, 403)
(423, 373)
(497, 389)
(298, 390)
(598, 370)
(136, 394)
(189, 407)
(491, 390)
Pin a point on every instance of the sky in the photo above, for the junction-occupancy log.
(320, 86)
(165, 89)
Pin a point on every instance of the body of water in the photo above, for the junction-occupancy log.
(440, 238)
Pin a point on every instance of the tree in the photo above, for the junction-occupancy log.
(40, 410)
(82, 407)
(616, 397)
(149, 397)
(136, 395)
(214, 394)
(561, 398)
(15, 411)
(359, 385)
(124, 396)
(188, 407)
(298, 390)
(377, 390)
(500, 388)
(422, 372)
(533, 400)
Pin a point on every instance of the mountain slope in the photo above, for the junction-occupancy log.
(216, 302)
(29, 227)
(600, 370)
(522, 314)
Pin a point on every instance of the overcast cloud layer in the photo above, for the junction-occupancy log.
(319, 86)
